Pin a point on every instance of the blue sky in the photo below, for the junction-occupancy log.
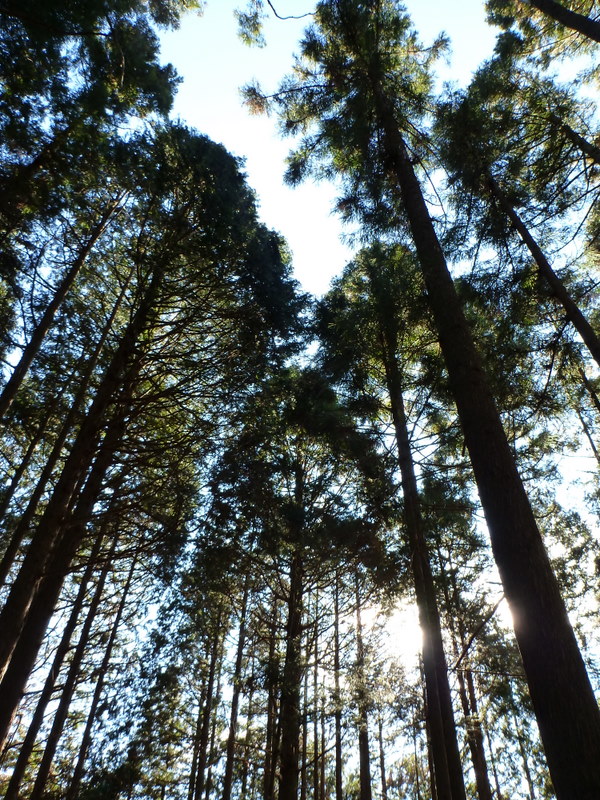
(214, 64)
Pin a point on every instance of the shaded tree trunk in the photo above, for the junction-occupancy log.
(562, 696)
(570, 19)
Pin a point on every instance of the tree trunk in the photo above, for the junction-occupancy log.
(449, 780)
(28, 744)
(570, 19)
(22, 527)
(559, 290)
(32, 348)
(271, 737)
(384, 793)
(27, 582)
(562, 697)
(42, 607)
(292, 681)
(70, 682)
(339, 792)
(235, 698)
(364, 755)
(207, 710)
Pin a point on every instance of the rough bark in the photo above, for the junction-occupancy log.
(570, 19)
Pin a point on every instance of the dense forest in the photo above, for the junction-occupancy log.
(219, 495)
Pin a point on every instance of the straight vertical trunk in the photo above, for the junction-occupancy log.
(364, 756)
(339, 795)
(449, 780)
(384, 793)
(235, 698)
(561, 693)
(292, 681)
(271, 738)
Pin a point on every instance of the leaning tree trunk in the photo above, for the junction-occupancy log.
(23, 525)
(37, 720)
(48, 532)
(33, 346)
(86, 739)
(70, 682)
(561, 693)
(570, 19)
(449, 780)
(559, 290)
(42, 607)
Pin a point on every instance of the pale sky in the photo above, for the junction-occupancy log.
(214, 64)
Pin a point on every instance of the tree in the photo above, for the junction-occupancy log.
(362, 90)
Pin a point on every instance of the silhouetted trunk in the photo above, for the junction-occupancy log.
(207, 710)
(449, 780)
(570, 19)
(562, 697)
(364, 756)
(271, 744)
(32, 348)
(48, 532)
(289, 714)
(28, 744)
(235, 697)
(22, 527)
(86, 739)
(41, 609)
(337, 697)
(559, 290)
(384, 793)
(70, 683)
(315, 703)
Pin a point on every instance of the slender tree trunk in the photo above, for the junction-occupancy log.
(27, 746)
(559, 290)
(364, 755)
(561, 693)
(271, 738)
(570, 19)
(207, 710)
(26, 584)
(235, 698)
(315, 703)
(384, 792)
(212, 759)
(248, 736)
(292, 681)
(304, 745)
(24, 523)
(337, 696)
(42, 607)
(100, 683)
(449, 780)
(196, 746)
(587, 148)
(70, 683)
(32, 348)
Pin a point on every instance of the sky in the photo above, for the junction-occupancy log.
(214, 64)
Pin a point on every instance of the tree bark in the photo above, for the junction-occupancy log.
(235, 698)
(449, 779)
(562, 697)
(364, 755)
(28, 744)
(559, 290)
(102, 674)
(32, 348)
(292, 680)
(42, 607)
(27, 582)
(570, 19)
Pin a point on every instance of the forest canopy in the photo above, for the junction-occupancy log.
(222, 498)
